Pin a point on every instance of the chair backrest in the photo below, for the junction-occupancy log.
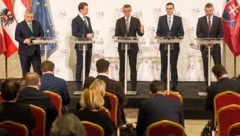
(227, 116)
(114, 104)
(223, 99)
(40, 121)
(1, 99)
(105, 110)
(14, 128)
(165, 128)
(174, 95)
(56, 100)
(234, 129)
(92, 129)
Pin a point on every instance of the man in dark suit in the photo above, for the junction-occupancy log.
(158, 108)
(31, 95)
(209, 26)
(29, 54)
(223, 84)
(170, 26)
(10, 110)
(55, 84)
(128, 26)
(82, 28)
(112, 86)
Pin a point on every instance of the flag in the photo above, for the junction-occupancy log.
(41, 14)
(2, 43)
(231, 24)
(20, 7)
(8, 26)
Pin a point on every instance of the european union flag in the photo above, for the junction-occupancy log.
(41, 14)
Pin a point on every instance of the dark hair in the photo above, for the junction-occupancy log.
(218, 70)
(102, 65)
(9, 89)
(47, 66)
(127, 6)
(208, 5)
(82, 5)
(156, 86)
(170, 3)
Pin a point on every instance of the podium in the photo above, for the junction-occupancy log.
(126, 43)
(168, 41)
(209, 42)
(84, 42)
(42, 41)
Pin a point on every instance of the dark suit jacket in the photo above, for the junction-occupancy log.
(114, 87)
(176, 29)
(55, 84)
(80, 30)
(20, 113)
(218, 87)
(203, 30)
(134, 29)
(156, 109)
(22, 32)
(30, 95)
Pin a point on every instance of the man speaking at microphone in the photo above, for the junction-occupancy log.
(82, 28)
(169, 26)
(29, 54)
(128, 26)
(209, 26)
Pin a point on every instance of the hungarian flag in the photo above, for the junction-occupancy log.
(8, 25)
(231, 23)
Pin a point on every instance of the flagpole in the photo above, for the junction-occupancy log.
(235, 67)
(6, 70)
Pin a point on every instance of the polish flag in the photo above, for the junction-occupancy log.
(8, 26)
(20, 7)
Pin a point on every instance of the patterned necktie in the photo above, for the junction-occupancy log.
(169, 23)
(127, 25)
(209, 24)
(30, 26)
(85, 21)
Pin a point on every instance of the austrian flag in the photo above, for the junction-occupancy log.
(231, 23)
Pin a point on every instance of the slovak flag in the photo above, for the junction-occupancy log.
(231, 24)
(8, 25)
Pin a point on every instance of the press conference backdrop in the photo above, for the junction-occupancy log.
(103, 16)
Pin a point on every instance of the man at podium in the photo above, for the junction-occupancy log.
(29, 54)
(82, 28)
(128, 26)
(209, 26)
(170, 26)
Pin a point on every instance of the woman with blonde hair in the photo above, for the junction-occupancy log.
(91, 103)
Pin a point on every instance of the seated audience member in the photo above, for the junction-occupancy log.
(157, 108)
(67, 125)
(223, 84)
(99, 85)
(51, 83)
(10, 110)
(91, 103)
(112, 86)
(31, 95)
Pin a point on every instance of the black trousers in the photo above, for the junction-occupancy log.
(216, 54)
(27, 61)
(132, 56)
(174, 52)
(79, 67)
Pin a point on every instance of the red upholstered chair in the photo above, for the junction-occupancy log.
(113, 113)
(105, 110)
(92, 129)
(174, 95)
(227, 116)
(223, 99)
(234, 129)
(14, 128)
(40, 121)
(165, 128)
(57, 101)
(1, 99)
